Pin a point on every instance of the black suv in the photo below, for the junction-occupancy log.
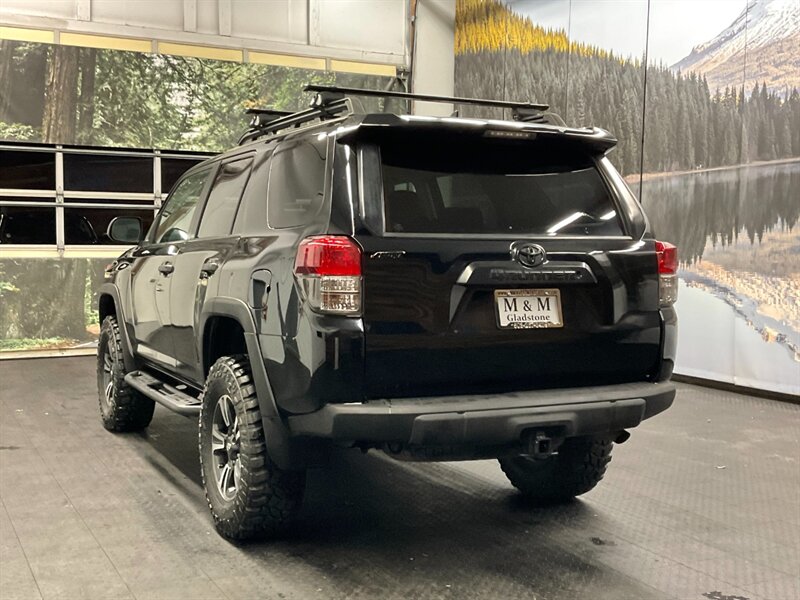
(437, 288)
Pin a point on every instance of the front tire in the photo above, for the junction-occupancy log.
(578, 467)
(121, 407)
(248, 495)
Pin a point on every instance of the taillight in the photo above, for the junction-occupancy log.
(328, 268)
(667, 273)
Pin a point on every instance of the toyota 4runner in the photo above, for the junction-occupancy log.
(437, 288)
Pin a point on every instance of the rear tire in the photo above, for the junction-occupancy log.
(577, 468)
(248, 495)
(121, 407)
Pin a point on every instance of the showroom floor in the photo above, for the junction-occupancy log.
(702, 502)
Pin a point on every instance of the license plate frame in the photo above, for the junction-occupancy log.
(533, 293)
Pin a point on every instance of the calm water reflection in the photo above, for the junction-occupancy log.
(721, 206)
(739, 242)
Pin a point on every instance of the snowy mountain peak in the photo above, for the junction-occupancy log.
(762, 22)
(764, 28)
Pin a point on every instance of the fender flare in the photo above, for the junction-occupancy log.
(109, 289)
(283, 450)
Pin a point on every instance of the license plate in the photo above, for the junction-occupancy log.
(528, 309)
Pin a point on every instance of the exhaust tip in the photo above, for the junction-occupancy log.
(622, 437)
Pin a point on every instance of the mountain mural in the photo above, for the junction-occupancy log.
(690, 122)
(763, 43)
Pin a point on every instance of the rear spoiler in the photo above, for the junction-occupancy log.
(382, 125)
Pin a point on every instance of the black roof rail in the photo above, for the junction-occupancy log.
(266, 121)
(262, 116)
(522, 111)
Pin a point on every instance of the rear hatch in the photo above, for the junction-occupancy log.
(493, 265)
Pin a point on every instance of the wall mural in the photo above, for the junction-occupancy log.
(85, 96)
(70, 95)
(717, 167)
(718, 171)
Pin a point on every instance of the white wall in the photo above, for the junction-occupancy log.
(434, 57)
(366, 30)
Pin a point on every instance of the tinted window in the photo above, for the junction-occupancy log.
(296, 183)
(176, 217)
(89, 225)
(91, 173)
(28, 170)
(494, 189)
(223, 199)
(172, 169)
(27, 225)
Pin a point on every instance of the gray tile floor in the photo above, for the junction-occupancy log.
(703, 502)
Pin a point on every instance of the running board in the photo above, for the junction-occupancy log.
(163, 393)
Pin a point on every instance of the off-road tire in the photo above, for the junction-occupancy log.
(121, 407)
(578, 466)
(266, 498)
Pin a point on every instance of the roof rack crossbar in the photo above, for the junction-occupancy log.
(516, 106)
(268, 111)
(263, 116)
(319, 110)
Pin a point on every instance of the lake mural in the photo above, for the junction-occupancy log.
(708, 122)
(739, 300)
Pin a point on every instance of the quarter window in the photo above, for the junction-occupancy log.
(223, 200)
(176, 217)
(296, 183)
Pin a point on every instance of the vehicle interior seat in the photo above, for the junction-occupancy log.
(463, 219)
(406, 211)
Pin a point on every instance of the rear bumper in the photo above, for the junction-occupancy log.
(487, 420)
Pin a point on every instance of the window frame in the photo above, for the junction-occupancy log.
(211, 170)
(208, 188)
(66, 201)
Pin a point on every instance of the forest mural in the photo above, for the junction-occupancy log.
(105, 98)
(501, 53)
(88, 96)
(709, 138)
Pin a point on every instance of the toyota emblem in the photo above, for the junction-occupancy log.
(528, 254)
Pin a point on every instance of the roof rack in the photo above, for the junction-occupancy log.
(262, 116)
(332, 101)
(266, 121)
(522, 111)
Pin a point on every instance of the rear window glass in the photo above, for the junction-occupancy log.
(494, 189)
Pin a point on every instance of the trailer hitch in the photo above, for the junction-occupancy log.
(539, 444)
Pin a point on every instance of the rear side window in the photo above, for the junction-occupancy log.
(223, 199)
(296, 183)
(176, 217)
(494, 189)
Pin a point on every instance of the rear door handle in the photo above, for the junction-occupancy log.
(166, 268)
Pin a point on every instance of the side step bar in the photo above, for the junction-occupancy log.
(163, 393)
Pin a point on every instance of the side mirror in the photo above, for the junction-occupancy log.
(127, 230)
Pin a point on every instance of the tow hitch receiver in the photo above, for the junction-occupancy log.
(539, 445)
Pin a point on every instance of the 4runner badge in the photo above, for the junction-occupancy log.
(528, 254)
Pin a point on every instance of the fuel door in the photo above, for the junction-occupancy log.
(258, 296)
